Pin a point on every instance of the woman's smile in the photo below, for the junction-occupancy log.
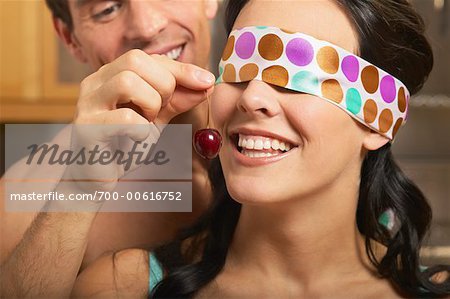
(254, 148)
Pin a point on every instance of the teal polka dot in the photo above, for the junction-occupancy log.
(384, 219)
(261, 27)
(305, 82)
(219, 78)
(353, 101)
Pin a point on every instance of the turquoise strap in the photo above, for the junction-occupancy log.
(156, 273)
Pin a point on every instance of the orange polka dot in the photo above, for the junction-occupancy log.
(276, 75)
(370, 78)
(397, 126)
(331, 89)
(401, 99)
(248, 72)
(328, 60)
(385, 120)
(228, 48)
(370, 111)
(287, 31)
(270, 47)
(229, 73)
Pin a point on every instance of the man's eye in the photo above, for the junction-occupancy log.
(104, 14)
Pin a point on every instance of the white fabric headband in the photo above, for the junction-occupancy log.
(299, 62)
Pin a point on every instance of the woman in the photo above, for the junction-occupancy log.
(300, 217)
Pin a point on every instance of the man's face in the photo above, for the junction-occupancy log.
(105, 29)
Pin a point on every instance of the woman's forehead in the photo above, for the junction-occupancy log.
(322, 19)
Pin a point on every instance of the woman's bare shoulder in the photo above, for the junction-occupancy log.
(123, 274)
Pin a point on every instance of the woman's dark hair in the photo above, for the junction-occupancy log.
(391, 36)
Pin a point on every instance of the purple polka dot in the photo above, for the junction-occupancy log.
(299, 52)
(350, 68)
(387, 89)
(245, 45)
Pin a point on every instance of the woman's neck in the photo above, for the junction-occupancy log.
(309, 240)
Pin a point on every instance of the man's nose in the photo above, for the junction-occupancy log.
(259, 99)
(145, 20)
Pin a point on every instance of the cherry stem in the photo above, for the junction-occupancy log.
(207, 112)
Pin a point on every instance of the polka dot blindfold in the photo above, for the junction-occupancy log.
(299, 62)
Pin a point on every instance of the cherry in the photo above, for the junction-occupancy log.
(207, 143)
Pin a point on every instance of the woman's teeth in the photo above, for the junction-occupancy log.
(175, 53)
(253, 146)
(257, 154)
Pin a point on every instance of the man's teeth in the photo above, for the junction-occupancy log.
(175, 53)
(262, 143)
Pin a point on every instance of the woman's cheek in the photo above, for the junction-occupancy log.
(222, 106)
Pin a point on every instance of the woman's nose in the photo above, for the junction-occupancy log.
(145, 20)
(259, 99)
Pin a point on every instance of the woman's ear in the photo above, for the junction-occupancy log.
(69, 40)
(374, 141)
(211, 7)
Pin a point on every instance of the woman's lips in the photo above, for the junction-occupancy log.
(253, 150)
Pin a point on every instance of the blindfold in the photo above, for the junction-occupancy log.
(302, 63)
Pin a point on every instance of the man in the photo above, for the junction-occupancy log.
(42, 253)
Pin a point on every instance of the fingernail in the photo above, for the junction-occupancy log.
(205, 77)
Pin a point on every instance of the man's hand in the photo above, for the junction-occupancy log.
(129, 100)
(160, 87)
(134, 96)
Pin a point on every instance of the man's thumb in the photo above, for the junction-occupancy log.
(183, 100)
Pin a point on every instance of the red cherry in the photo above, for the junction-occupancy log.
(207, 143)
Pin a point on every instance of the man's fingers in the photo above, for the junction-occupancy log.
(159, 71)
(183, 100)
(187, 75)
(147, 81)
(123, 88)
(109, 124)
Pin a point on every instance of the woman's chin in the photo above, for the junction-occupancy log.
(250, 196)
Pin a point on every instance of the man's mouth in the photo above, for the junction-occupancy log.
(175, 53)
(260, 146)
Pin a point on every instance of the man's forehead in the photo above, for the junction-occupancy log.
(80, 3)
(76, 3)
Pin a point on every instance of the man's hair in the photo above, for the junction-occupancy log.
(60, 10)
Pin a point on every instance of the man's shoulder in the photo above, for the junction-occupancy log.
(120, 274)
